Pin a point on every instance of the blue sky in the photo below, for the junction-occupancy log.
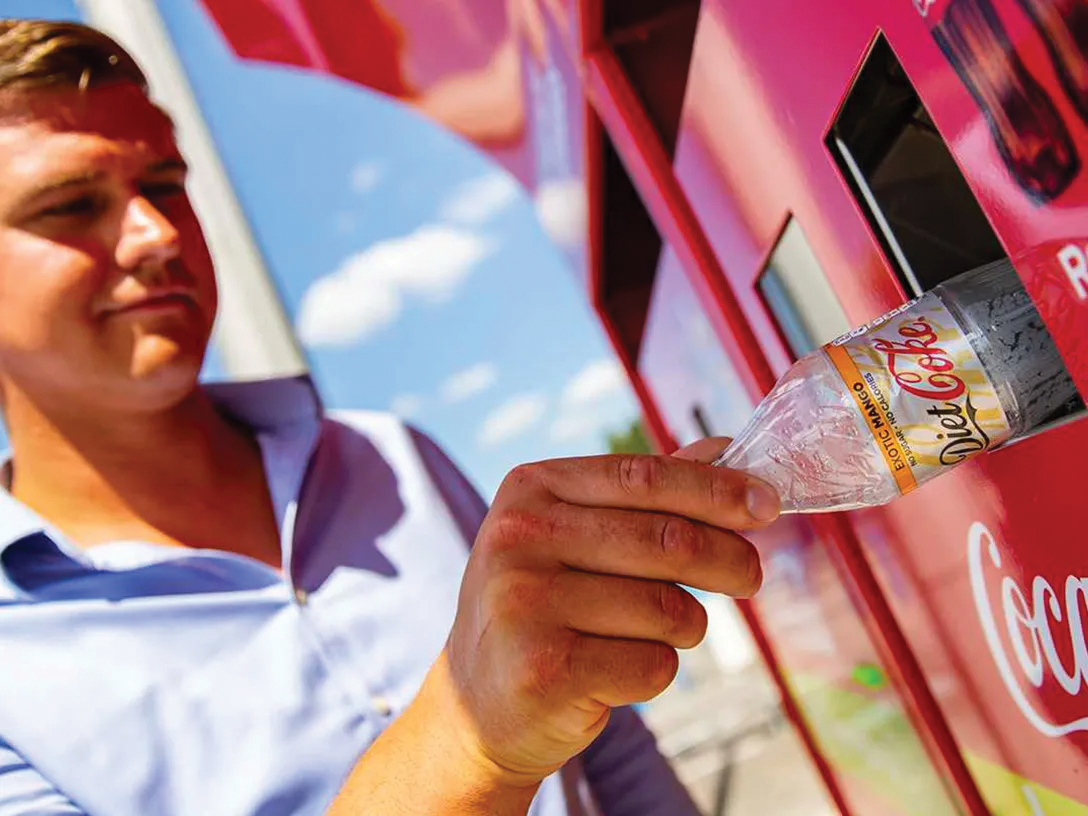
(414, 267)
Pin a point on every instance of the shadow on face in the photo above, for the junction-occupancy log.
(107, 290)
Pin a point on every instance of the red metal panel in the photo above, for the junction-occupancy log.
(649, 167)
(651, 171)
(666, 443)
(816, 614)
(980, 568)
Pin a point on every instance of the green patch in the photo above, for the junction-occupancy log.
(873, 742)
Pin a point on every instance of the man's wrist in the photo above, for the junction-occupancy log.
(440, 709)
(428, 762)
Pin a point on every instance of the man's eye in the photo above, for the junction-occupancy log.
(83, 205)
(161, 190)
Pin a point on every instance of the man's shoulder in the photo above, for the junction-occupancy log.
(405, 446)
(394, 438)
(369, 423)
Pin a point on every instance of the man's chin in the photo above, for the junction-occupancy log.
(164, 372)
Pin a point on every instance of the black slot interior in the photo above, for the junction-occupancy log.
(630, 250)
(906, 180)
(908, 185)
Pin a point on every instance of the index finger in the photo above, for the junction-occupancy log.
(717, 496)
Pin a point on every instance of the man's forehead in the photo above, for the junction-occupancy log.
(120, 113)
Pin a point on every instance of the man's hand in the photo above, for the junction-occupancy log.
(570, 604)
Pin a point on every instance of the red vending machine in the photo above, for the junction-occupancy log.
(736, 184)
(827, 164)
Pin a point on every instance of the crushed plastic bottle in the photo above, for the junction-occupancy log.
(893, 404)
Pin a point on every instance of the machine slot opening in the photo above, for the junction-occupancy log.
(653, 40)
(630, 247)
(908, 185)
(798, 295)
(905, 179)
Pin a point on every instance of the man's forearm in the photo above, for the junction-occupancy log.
(420, 767)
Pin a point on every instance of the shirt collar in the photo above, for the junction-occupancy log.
(285, 413)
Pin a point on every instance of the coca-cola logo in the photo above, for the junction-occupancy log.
(1034, 620)
(918, 364)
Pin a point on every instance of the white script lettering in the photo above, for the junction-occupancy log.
(1030, 629)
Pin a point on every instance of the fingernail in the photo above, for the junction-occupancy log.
(762, 501)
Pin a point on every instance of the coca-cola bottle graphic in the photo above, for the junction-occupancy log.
(1030, 135)
(1063, 25)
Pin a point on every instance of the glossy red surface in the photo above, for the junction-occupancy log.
(982, 568)
(938, 641)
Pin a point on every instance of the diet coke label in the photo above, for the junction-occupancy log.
(921, 390)
(1035, 633)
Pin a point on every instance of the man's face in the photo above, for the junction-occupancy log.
(107, 291)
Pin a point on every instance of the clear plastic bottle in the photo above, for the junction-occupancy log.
(872, 415)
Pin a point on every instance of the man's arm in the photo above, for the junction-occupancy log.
(25, 792)
(628, 775)
(571, 606)
(428, 762)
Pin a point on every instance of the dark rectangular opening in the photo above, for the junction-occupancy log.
(905, 179)
(653, 40)
(908, 185)
(630, 250)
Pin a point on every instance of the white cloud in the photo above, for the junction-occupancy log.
(574, 424)
(584, 406)
(480, 199)
(339, 310)
(563, 211)
(468, 383)
(599, 379)
(513, 418)
(406, 405)
(368, 290)
(365, 176)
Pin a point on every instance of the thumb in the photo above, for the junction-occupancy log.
(705, 450)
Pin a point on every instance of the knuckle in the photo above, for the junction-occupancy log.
(672, 607)
(638, 475)
(518, 595)
(726, 489)
(679, 539)
(547, 667)
(523, 477)
(684, 616)
(514, 526)
(660, 664)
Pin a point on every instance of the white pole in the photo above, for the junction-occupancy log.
(253, 333)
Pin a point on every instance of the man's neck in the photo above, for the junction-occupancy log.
(184, 476)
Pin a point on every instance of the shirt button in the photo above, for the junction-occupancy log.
(381, 705)
(301, 596)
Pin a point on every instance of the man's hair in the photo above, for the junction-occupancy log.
(45, 54)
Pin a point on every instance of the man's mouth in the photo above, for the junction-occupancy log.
(165, 300)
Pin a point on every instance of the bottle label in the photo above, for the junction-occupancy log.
(922, 390)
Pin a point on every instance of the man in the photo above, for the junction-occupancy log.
(222, 601)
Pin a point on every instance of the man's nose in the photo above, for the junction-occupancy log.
(147, 236)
